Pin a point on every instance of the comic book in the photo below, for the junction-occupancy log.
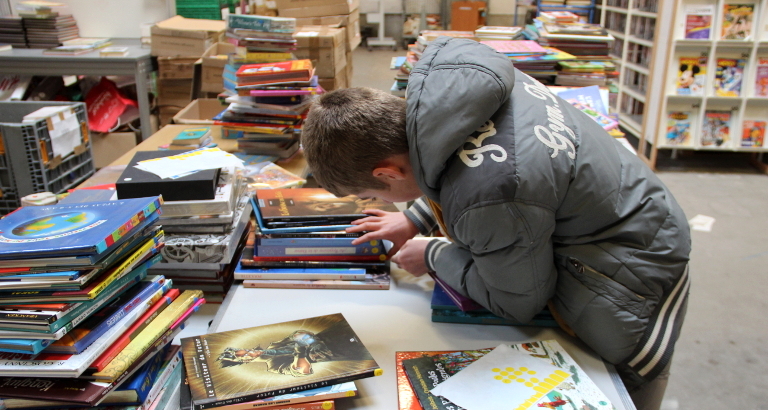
(304, 205)
(698, 21)
(737, 21)
(715, 130)
(761, 78)
(679, 129)
(691, 76)
(753, 133)
(728, 77)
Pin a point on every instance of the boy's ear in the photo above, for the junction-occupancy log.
(388, 171)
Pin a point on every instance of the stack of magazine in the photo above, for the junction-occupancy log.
(301, 243)
(204, 237)
(81, 323)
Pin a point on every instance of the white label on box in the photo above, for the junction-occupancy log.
(65, 135)
(307, 34)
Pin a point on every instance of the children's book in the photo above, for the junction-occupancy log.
(692, 75)
(249, 364)
(737, 21)
(79, 229)
(728, 77)
(698, 21)
(604, 120)
(679, 129)
(716, 129)
(299, 273)
(753, 133)
(193, 136)
(372, 281)
(307, 204)
(515, 47)
(761, 78)
(265, 73)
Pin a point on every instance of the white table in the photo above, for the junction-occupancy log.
(393, 320)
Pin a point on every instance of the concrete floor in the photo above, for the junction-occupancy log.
(722, 355)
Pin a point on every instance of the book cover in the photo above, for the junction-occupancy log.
(372, 281)
(698, 21)
(716, 128)
(243, 365)
(728, 77)
(285, 401)
(307, 203)
(692, 75)
(241, 273)
(80, 229)
(292, 70)
(761, 78)
(193, 135)
(308, 250)
(737, 21)
(406, 396)
(679, 129)
(753, 133)
(267, 24)
(603, 120)
(462, 302)
(515, 47)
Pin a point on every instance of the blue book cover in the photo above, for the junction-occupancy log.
(144, 378)
(589, 96)
(299, 273)
(28, 346)
(77, 229)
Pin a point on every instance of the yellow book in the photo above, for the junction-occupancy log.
(126, 265)
(147, 337)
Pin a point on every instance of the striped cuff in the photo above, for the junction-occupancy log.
(433, 251)
(421, 215)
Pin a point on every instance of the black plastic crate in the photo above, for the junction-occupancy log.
(27, 162)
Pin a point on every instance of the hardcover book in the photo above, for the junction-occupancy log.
(716, 128)
(372, 281)
(737, 21)
(728, 77)
(80, 229)
(285, 205)
(243, 365)
(134, 182)
(265, 73)
(698, 21)
(753, 133)
(761, 78)
(679, 129)
(241, 273)
(692, 75)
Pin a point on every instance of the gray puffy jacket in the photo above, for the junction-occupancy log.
(541, 203)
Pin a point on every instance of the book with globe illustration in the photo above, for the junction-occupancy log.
(244, 365)
(88, 230)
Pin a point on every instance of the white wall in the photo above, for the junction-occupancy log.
(116, 18)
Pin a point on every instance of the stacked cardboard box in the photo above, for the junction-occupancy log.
(328, 31)
(178, 43)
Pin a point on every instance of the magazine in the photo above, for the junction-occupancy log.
(691, 77)
(761, 78)
(753, 133)
(698, 21)
(728, 77)
(716, 129)
(679, 129)
(737, 21)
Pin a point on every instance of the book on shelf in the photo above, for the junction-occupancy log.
(753, 133)
(372, 281)
(761, 77)
(737, 21)
(698, 21)
(679, 129)
(692, 75)
(716, 128)
(238, 366)
(729, 76)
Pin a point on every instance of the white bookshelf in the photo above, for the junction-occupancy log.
(746, 106)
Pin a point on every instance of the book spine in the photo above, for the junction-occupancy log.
(33, 346)
(211, 403)
(314, 284)
(298, 276)
(273, 402)
(145, 339)
(316, 258)
(128, 225)
(166, 374)
(141, 381)
(43, 318)
(319, 242)
(318, 250)
(147, 248)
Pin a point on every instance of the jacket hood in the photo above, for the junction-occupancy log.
(455, 87)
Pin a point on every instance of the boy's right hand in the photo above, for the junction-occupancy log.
(392, 226)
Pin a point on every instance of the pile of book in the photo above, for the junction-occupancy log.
(81, 323)
(77, 46)
(272, 99)
(12, 31)
(302, 364)
(301, 243)
(45, 25)
(498, 33)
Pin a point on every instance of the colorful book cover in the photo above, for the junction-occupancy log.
(515, 47)
(285, 401)
(728, 77)
(603, 120)
(307, 203)
(753, 133)
(372, 281)
(716, 129)
(294, 70)
(243, 365)
(679, 129)
(241, 273)
(698, 21)
(737, 21)
(298, 250)
(78, 229)
(406, 396)
(692, 76)
(761, 78)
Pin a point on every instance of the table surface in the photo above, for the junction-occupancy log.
(394, 320)
(135, 51)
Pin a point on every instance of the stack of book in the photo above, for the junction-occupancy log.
(301, 243)
(498, 33)
(558, 16)
(12, 31)
(78, 46)
(262, 35)
(45, 24)
(585, 73)
(542, 67)
(271, 100)
(81, 323)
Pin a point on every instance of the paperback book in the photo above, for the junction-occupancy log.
(698, 21)
(372, 281)
(716, 129)
(737, 21)
(679, 129)
(266, 73)
(238, 366)
(753, 133)
(761, 78)
(692, 75)
(728, 77)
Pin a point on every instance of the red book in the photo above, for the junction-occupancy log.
(283, 71)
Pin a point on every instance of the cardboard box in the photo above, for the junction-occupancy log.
(176, 93)
(110, 146)
(334, 83)
(179, 36)
(325, 46)
(315, 8)
(351, 21)
(199, 112)
(212, 66)
(348, 69)
(166, 115)
(176, 67)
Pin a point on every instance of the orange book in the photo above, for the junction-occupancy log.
(283, 71)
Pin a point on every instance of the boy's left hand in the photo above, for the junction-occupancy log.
(411, 256)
